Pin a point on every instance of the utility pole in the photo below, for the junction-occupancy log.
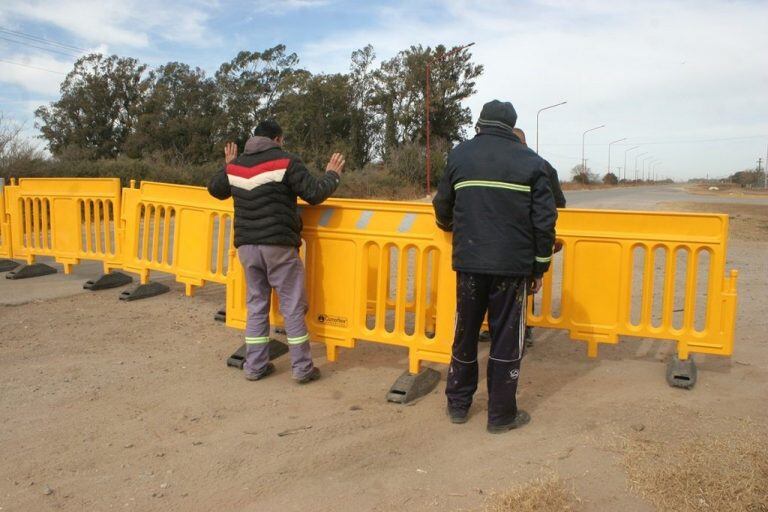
(625, 159)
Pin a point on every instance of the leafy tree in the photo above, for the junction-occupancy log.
(100, 102)
(583, 174)
(366, 122)
(250, 86)
(610, 179)
(181, 120)
(316, 115)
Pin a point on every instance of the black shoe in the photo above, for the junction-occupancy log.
(268, 370)
(457, 415)
(312, 375)
(528, 337)
(522, 418)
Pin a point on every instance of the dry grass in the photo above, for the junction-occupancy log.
(542, 494)
(702, 473)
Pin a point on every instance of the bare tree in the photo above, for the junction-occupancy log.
(13, 146)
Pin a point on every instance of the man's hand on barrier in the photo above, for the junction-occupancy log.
(558, 246)
(336, 164)
(534, 286)
(230, 152)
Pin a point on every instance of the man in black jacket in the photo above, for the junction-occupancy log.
(265, 182)
(496, 198)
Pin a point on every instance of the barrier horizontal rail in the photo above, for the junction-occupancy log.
(70, 219)
(176, 229)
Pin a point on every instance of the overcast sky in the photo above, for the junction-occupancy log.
(687, 81)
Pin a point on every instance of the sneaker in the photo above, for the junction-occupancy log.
(522, 418)
(258, 376)
(457, 415)
(312, 375)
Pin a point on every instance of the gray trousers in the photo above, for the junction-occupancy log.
(279, 267)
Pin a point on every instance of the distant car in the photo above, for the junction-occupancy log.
(713, 188)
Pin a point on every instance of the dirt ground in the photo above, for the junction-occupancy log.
(128, 406)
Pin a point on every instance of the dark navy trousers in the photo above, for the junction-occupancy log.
(505, 299)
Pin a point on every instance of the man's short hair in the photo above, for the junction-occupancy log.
(269, 129)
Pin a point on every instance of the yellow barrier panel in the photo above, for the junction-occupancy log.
(643, 274)
(69, 219)
(177, 229)
(376, 271)
(5, 227)
(381, 271)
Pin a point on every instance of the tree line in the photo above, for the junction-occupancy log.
(113, 107)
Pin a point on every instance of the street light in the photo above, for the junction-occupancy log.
(625, 159)
(609, 151)
(429, 74)
(653, 169)
(583, 138)
(537, 120)
(636, 157)
(650, 157)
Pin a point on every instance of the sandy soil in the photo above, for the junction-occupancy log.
(129, 406)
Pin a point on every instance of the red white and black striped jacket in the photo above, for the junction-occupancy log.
(264, 183)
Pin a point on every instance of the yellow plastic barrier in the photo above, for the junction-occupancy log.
(177, 229)
(5, 227)
(70, 219)
(381, 271)
(376, 271)
(644, 274)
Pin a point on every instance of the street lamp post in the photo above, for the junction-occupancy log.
(537, 120)
(583, 138)
(625, 159)
(646, 159)
(609, 151)
(427, 108)
(636, 157)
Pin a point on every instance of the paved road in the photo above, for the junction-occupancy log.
(622, 198)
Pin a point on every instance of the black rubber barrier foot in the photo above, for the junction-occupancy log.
(8, 265)
(221, 315)
(34, 270)
(410, 386)
(144, 291)
(276, 349)
(106, 281)
(681, 374)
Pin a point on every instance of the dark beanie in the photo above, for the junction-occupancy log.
(498, 114)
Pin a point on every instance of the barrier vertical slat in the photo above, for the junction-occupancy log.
(690, 289)
(668, 299)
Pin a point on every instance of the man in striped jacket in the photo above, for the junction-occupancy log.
(495, 196)
(264, 182)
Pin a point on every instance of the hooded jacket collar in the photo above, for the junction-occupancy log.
(499, 132)
(258, 144)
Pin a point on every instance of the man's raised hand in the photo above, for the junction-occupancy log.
(336, 163)
(230, 152)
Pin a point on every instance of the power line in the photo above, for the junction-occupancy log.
(42, 40)
(24, 43)
(32, 67)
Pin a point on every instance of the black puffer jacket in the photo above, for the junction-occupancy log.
(264, 182)
(496, 197)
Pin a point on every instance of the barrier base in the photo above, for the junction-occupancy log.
(7, 265)
(410, 386)
(106, 281)
(221, 315)
(681, 374)
(144, 291)
(276, 349)
(34, 270)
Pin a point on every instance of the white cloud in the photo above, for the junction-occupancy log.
(132, 23)
(29, 73)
